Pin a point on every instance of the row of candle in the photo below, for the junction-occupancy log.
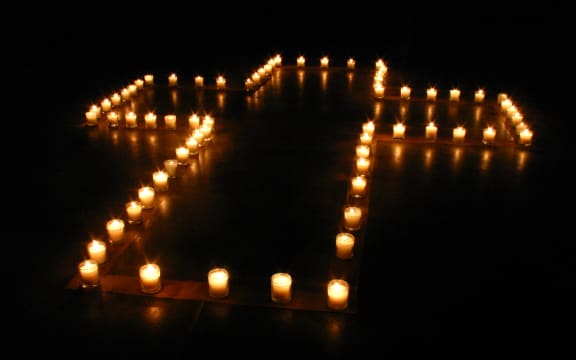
(260, 76)
(324, 62)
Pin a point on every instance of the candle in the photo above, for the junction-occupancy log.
(488, 135)
(405, 92)
(97, 251)
(431, 94)
(125, 94)
(199, 81)
(459, 133)
(91, 118)
(170, 166)
(106, 104)
(358, 186)
(150, 278)
(344, 245)
(218, 279)
(134, 212)
(115, 228)
(192, 145)
(194, 121)
(146, 195)
(173, 80)
(352, 217)
(220, 82)
(139, 83)
(182, 155)
(431, 131)
(351, 64)
(160, 178)
(170, 121)
(365, 138)
(454, 94)
(362, 151)
(368, 127)
(398, 131)
(281, 287)
(113, 119)
(525, 137)
(324, 62)
(89, 273)
(131, 119)
(132, 89)
(150, 120)
(362, 166)
(116, 99)
(379, 90)
(149, 79)
(479, 96)
(337, 291)
(300, 61)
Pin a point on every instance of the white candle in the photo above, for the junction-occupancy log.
(398, 131)
(218, 279)
(173, 80)
(115, 229)
(91, 118)
(149, 79)
(459, 133)
(324, 61)
(351, 64)
(358, 186)
(220, 82)
(182, 155)
(89, 273)
(405, 92)
(150, 120)
(300, 61)
(113, 118)
(170, 166)
(362, 151)
(116, 99)
(146, 195)
(338, 290)
(431, 131)
(199, 81)
(379, 90)
(130, 118)
(431, 94)
(525, 137)
(281, 287)
(479, 96)
(362, 166)
(344, 245)
(488, 135)
(97, 251)
(170, 121)
(454, 94)
(150, 281)
(106, 104)
(352, 217)
(365, 138)
(160, 178)
(134, 212)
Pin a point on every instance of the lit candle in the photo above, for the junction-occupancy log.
(218, 282)
(113, 119)
(362, 151)
(132, 89)
(488, 135)
(431, 94)
(89, 273)
(351, 63)
(281, 287)
(131, 119)
(479, 96)
(115, 228)
(139, 83)
(91, 118)
(368, 127)
(362, 166)
(173, 80)
(150, 278)
(337, 291)
(106, 104)
(344, 245)
(146, 195)
(398, 131)
(454, 94)
(194, 121)
(459, 133)
(150, 120)
(379, 90)
(405, 92)
(170, 121)
(352, 217)
(324, 61)
(300, 61)
(134, 212)
(97, 251)
(358, 186)
(125, 94)
(160, 178)
(220, 82)
(149, 79)
(182, 155)
(365, 138)
(431, 131)
(170, 166)
(116, 99)
(525, 137)
(192, 145)
(199, 81)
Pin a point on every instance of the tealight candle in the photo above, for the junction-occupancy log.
(431, 131)
(149, 79)
(405, 92)
(198, 81)
(362, 166)
(97, 251)
(525, 137)
(431, 94)
(459, 133)
(115, 229)
(150, 120)
(479, 96)
(134, 212)
(150, 280)
(454, 94)
(130, 118)
(113, 118)
(362, 151)
(488, 135)
(344, 245)
(398, 131)
(170, 166)
(182, 155)
(173, 80)
(281, 287)
(338, 292)
(220, 82)
(146, 195)
(160, 178)
(89, 273)
(352, 217)
(351, 64)
(300, 61)
(324, 61)
(170, 121)
(358, 186)
(218, 279)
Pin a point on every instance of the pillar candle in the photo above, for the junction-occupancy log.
(281, 287)
(89, 273)
(352, 217)
(338, 292)
(344, 245)
(150, 279)
(146, 195)
(218, 282)
(97, 251)
(160, 178)
(134, 212)
(115, 229)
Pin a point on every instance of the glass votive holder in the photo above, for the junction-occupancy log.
(160, 179)
(218, 282)
(352, 217)
(89, 274)
(146, 194)
(150, 280)
(338, 293)
(115, 229)
(97, 250)
(170, 166)
(134, 212)
(345, 245)
(281, 287)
